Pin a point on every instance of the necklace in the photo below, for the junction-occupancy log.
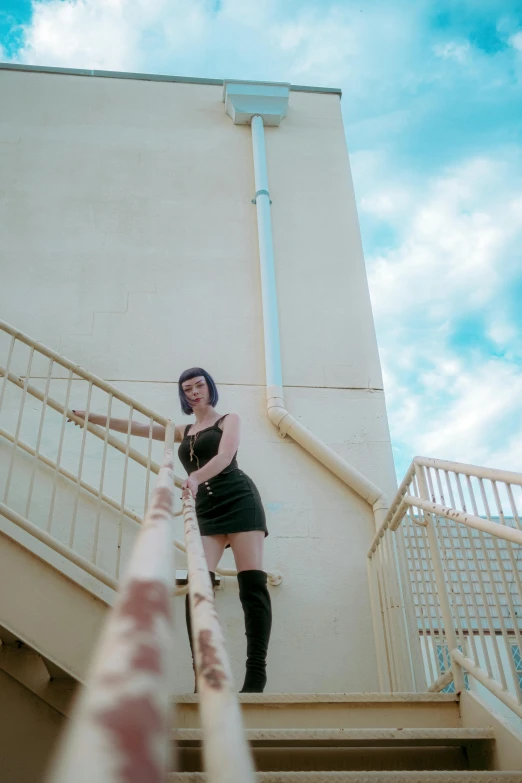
(192, 454)
(192, 442)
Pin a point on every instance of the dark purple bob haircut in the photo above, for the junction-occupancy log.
(195, 372)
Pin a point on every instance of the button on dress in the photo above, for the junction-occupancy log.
(229, 502)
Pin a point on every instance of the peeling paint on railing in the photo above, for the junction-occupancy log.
(226, 755)
(120, 731)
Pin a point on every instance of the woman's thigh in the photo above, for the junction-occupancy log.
(214, 546)
(248, 549)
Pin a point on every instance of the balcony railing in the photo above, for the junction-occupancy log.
(87, 495)
(445, 578)
(123, 718)
(54, 475)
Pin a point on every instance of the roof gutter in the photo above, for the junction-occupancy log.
(259, 105)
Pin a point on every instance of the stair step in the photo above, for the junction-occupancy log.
(301, 750)
(332, 698)
(334, 710)
(446, 776)
(346, 738)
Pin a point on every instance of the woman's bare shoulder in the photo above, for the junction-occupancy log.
(230, 420)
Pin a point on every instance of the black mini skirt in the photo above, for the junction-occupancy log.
(229, 503)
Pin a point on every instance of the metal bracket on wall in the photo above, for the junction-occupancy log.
(182, 578)
(261, 193)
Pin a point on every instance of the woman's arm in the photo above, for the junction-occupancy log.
(122, 425)
(227, 448)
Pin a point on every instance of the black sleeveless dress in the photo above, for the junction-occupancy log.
(229, 502)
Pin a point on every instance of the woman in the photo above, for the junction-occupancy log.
(228, 506)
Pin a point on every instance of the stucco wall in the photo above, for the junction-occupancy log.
(129, 244)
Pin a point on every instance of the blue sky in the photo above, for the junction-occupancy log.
(432, 103)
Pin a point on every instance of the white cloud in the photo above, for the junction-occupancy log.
(485, 396)
(457, 256)
(454, 234)
(292, 41)
(458, 234)
(109, 34)
(501, 331)
(460, 52)
(516, 41)
(480, 421)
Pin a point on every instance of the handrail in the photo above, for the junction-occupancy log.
(227, 758)
(397, 506)
(57, 546)
(122, 720)
(446, 580)
(491, 686)
(466, 469)
(68, 475)
(470, 520)
(125, 710)
(120, 446)
(93, 428)
(83, 373)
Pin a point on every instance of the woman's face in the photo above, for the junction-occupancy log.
(196, 391)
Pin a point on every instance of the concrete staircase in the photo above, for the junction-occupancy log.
(318, 738)
(49, 623)
(50, 606)
(321, 738)
(362, 737)
(50, 618)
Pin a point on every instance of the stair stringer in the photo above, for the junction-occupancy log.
(507, 750)
(52, 606)
(27, 667)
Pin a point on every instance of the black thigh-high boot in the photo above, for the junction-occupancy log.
(255, 599)
(189, 627)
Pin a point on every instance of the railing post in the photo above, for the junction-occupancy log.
(410, 618)
(403, 615)
(445, 607)
(170, 432)
(383, 669)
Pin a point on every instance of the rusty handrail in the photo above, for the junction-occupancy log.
(226, 754)
(122, 721)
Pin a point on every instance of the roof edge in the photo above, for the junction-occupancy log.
(151, 77)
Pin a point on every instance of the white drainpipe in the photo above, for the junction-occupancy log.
(278, 414)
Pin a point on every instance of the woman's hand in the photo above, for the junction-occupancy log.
(80, 415)
(190, 485)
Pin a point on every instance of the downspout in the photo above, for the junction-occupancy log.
(278, 414)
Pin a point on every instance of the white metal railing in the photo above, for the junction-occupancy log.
(82, 491)
(226, 756)
(445, 574)
(122, 722)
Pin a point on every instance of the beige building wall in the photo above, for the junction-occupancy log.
(130, 245)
